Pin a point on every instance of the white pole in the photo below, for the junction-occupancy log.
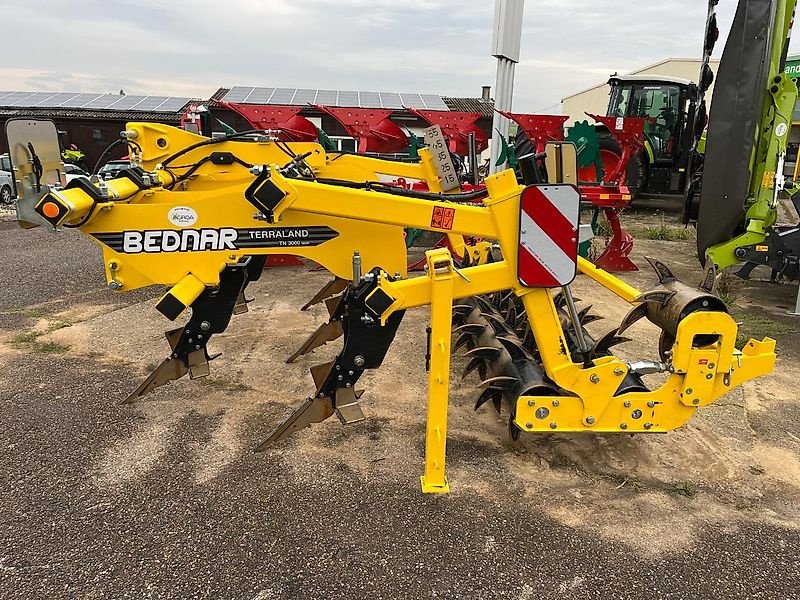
(506, 40)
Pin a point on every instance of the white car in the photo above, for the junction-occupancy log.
(6, 188)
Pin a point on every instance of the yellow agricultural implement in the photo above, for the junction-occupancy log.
(203, 230)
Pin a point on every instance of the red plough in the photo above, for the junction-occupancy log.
(371, 127)
(456, 128)
(612, 195)
(285, 119)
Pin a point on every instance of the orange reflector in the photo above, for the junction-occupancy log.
(50, 210)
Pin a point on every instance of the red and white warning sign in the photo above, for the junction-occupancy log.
(549, 222)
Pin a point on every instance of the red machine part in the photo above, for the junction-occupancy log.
(190, 119)
(372, 128)
(286, 119)
(284, 260)
(540, 129)
(611, 197)
(629, 133)
(612, 200)
(456, 127)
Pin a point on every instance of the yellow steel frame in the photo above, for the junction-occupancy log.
(371, 223)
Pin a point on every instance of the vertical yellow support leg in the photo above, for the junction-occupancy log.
(441, 273)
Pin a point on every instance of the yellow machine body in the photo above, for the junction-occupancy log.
(371, 223)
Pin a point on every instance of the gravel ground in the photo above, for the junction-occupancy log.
(101, 501)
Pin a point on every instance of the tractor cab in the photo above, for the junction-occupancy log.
(667, 103)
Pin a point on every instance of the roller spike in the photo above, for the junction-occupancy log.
(489, 394)
(514, 347)
(474, 363)
(500, 383)
(497, 401)
(639, 312)
(485, 352)
(463, 309)
(558, 299)
(496, 321)
(709, 279)
(513, 430)
(608, 341)
(655, 296)
(463, 340)
(483, 300)
(470, 328)
(483, 371)
(529, 340)
(662, 270)
(665, 343)
(509, 296)
(590, 319)
(511, 315)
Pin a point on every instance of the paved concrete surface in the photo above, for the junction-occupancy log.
(262, 528)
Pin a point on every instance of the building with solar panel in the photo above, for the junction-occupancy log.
(90, 121)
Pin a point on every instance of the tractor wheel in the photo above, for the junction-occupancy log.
(610, 151)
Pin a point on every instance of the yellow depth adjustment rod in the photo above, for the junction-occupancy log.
(441, 273)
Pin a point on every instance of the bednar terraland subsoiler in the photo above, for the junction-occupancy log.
(241, 205)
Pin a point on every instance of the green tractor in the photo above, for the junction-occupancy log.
(669, 105)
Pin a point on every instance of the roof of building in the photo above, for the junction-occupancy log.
(94, 106)
(639, 71)
(81, 113)
(342, 98)
(473, 105)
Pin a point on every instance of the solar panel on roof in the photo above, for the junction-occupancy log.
(412, 101)
(151, 103)
(391, 100)
(13, 98)
(174, 104)
(74, 100)
(348, 99)
(370, 100)
(327, 97)
(237, 94)
(36, 98)
(57, 99)
(103, 101)
(282, 96)
(127, 102)
(80, 100)
(259, 95)
(433, 102)
(303, 97)
(343, 98)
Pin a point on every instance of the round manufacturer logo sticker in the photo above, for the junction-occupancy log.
(182, 216)
(781, 129)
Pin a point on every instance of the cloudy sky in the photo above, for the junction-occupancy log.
(192, 47)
